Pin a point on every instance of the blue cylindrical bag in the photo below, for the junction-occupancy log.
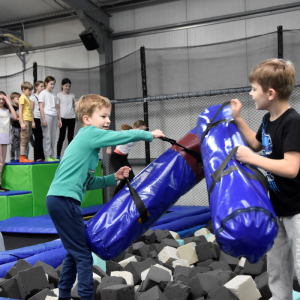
(243, 218)
(116, 226)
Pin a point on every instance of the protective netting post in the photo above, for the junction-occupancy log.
(145, 95)
(34, 72)
(280, 41)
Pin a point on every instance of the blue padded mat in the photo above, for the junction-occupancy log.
(38, 224)
(178, 218)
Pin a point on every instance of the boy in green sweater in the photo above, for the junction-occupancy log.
(74, 176)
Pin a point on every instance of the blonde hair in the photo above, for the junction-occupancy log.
(276, 74)
(14, 95)
(26, 86)
(87, 104)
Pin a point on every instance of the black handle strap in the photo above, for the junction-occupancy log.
(144, 214)
(219, 173)
(211, 124)
(188, 150)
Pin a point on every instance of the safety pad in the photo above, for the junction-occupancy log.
(52, 253)
(37, 178)
(38, 224)
(16, 203)
(243, 217)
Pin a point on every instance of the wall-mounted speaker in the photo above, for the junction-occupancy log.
(89, 39)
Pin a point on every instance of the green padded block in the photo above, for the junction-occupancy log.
(16, 206)
(93, 197)
(37, 178)
(3, 210)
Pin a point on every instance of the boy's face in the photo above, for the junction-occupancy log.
(100, 118)
(15, 100)
(260, 97)
(27, 92)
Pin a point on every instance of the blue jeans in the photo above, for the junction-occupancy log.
(66, 215)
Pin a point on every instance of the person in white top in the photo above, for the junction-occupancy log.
(118, 158)
(37, 131)
(7, 113)
(50, 117)
(67, 103)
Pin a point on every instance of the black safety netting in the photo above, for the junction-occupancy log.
(181, 83)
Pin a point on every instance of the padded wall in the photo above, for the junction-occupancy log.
(37, 179)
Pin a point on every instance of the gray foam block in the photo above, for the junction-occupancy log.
(141, 249)
(136, 268)
(112, 266)
(177, 290)
(32, 281)
(50, 271)
(263, 286)
(199, 270)
(206, 251)
(154, 277)
(153, 294)
(195, 239)
(163, 234)
(255, 269)
(42, 295)
(97, 270)
(20, 265)
(180, 277)
(118, 292)
(221, 293)
(168, 242)
(186, 271)
(220, 265)
(107, 282)
(9, 288)
(205, 263)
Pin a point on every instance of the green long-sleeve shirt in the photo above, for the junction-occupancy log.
(75, 174)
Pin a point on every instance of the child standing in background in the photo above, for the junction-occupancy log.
(50, 117)
(26, 120)
(15, 130)
(67, 103)
(37, 131)
(118, 158)
(6, 113)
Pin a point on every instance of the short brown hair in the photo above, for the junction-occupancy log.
(125, 127)
(37, 83)
(276, 74)
(26, 86)
(14, 95)
(139, 123)
(87, 104)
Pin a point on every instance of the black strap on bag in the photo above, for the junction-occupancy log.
(212, 124)
(219, 173)
(144, 214)
(187, 150)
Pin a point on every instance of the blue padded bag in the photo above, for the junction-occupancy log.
(115, 227)
(243, 218)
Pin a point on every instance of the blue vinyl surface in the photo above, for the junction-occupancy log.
(243, 217)
(13, 193)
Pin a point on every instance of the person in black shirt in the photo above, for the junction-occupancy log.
(279, 138)
(15, 130)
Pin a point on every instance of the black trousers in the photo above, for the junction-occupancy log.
(38, 151)
(66, 123)
(118, 161)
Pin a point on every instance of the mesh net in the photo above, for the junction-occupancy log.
(173, 73)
